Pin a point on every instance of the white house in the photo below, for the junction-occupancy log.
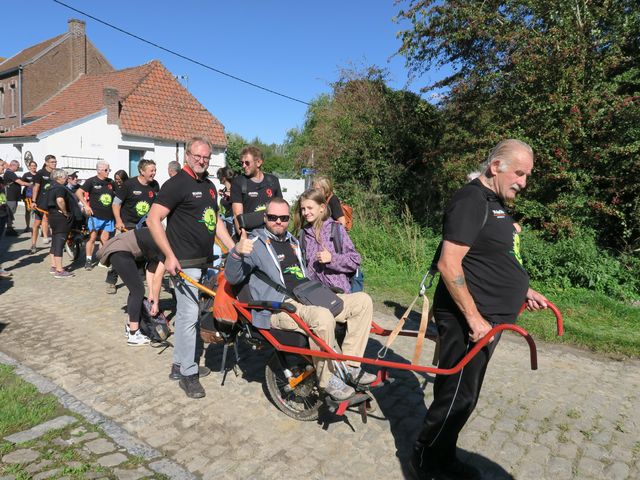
(121, 117)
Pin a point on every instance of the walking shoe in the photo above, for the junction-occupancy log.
(33, 249)
(88, 265)
(176, 375)
(63, 274)
(137, 339)
(5, 274)
(357, 377)
(191, 386)
(27, 230)
(126, 330)
(11, 232)
(338, 389)
(46, 241)
(111, 288)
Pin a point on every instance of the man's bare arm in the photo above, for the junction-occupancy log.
(451, 272)
(223, 234)
(154, 221)
(237, 209)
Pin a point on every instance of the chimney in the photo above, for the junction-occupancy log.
(78, 47)
(111, 99)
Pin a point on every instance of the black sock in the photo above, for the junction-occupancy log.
(133, 332)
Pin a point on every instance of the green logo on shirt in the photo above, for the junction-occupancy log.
(294, 270)
(516, 247)
(105, 199)
(3, 199)
(142, 208)
(209, 219)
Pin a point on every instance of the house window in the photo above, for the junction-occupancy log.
(1, 102)
(12, 88)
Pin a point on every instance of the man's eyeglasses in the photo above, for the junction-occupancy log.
(104, 170)
(245, 163)
(199, 158)
(275, 218)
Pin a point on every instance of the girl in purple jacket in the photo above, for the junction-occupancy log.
(331, 257)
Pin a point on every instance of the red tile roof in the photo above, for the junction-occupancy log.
(27, 54)
(153, 104)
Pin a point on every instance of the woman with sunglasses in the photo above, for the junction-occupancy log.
(329, 252)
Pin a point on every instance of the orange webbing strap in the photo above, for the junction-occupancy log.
(394, 333)
(222, 246)
(424, 320)
(28, 203)
(44, 212)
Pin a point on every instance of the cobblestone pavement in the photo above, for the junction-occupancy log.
(576, 417)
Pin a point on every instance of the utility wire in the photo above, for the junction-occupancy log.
(184, 57)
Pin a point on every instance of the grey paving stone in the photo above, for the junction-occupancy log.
(112, 460)
(100, 446)
(74, 440)
(24, 455)
(617, 471)
(47, 474)
(171, 470)
(139, 472)
(41, 429)
(36, 467)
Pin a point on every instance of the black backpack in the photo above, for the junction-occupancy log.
(155, 328)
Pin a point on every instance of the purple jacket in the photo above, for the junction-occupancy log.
(338, 272)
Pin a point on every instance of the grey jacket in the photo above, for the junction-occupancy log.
(264, 258)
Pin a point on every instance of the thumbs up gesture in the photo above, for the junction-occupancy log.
(245, 245)
(324, 256)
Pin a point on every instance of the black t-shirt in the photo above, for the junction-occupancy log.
(335, 207)
(150, 251)
(42, 178)
(101, 194)
(4, 209)
(13, 189)
(191, 223)
(492, 267)
(28, 177)
(258, 194)
(291, 271)
(136, 200)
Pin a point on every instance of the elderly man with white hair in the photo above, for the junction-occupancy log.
(13, 186)
(483, 283)
(99, 189)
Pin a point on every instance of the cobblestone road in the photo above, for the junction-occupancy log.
(578, 416)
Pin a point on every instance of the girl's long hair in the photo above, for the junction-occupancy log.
(299, 221)
(324, 185)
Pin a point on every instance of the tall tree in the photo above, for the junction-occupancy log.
(563, 76)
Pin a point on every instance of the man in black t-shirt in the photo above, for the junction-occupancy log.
(13, 186)
(133, 201)
(189, 202)
(41, 186)
(482, 283)
(100, 190)
(28, 192)
(251, 192)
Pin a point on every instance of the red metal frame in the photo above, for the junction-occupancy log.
(327, 352)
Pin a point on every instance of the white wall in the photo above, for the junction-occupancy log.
(291, 189)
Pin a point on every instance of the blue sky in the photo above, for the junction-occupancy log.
(295, 47)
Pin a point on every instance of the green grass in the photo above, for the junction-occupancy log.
(397, 253)
(21, 405)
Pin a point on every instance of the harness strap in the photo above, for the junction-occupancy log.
(394, 333)
(424, 320)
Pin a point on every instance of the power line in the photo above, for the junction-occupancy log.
(184, 57)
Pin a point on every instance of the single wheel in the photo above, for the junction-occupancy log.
(303, 401)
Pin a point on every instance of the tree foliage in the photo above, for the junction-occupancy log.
(372, 140)
(275, 160)
(563, 76)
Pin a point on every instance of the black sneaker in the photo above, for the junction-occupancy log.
(88, 265)
(11, 232)
(176, 375)
(191, 386)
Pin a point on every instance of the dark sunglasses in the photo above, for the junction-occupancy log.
(275, 218)
(246, 163)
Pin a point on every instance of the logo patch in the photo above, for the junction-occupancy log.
(196, 194)
(137, 192)
(499, 213)
(269, 192)
(105, 199)
(142, 208)
(209, 219)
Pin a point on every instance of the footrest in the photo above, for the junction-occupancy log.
(340, 407)
(382, 379)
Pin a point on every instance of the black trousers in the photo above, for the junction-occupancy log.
(126, 266)
(454, 396)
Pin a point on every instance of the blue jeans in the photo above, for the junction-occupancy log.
(186, 322)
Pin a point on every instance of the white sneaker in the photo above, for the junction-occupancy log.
(126, 330)
(137, 339)
(47, 240)
(5, 274)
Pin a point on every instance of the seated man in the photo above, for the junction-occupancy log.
(275, 252)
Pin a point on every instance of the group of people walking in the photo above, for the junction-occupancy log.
(482, 283)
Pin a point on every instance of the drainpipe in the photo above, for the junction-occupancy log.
(20, 95)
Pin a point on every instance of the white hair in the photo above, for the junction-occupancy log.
(502, 151)
(101, 163)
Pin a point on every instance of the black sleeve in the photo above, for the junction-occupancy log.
(170, 195)
(87, 186)
(336, 208)
(277, 191)
(38, 180)
(236, 189)
(10, 176)
(464, 216)
(155, 186)
(25, 178)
